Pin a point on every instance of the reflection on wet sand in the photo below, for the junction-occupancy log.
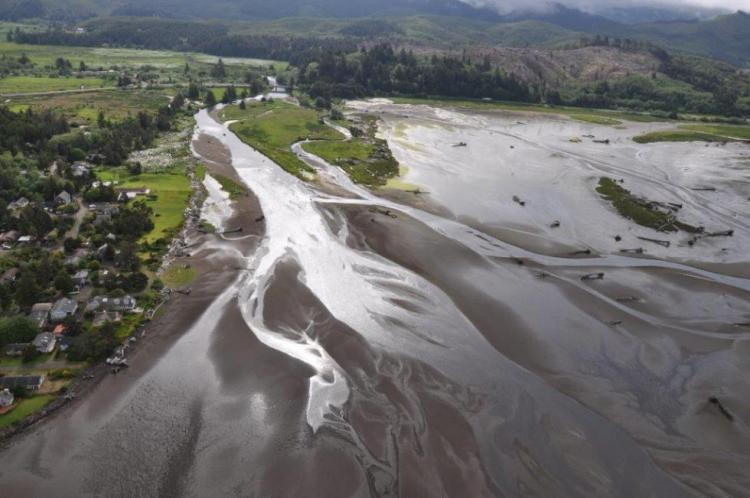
(352, 353)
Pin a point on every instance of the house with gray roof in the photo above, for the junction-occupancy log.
(32, 382)
(6, 398)
(45, 342)
(40, 314)
(104, 303)
(63, 198)
(16, 349)
(62, 309)
(81, 278)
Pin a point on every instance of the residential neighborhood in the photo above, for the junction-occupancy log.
(75, 278)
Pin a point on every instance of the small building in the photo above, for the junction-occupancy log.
(76, 258)
(6, 398)
(9, 276)
(9, 237)
(80, 169)
(103, 303)
(103, 317)
(81, 278)
(59, 330)
(16, 349)
(40, 314)
(62, 309)
(25, 239)
(31, 382)
(45, 342)
(18, 204)
(63, 198)
(126, 194)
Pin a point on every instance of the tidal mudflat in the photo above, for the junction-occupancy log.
(361, 344)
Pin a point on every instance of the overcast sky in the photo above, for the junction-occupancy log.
(599, 5)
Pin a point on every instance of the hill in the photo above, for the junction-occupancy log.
(438, 22)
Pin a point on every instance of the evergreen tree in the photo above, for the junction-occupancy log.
(219, 71)
(193, 92)
(210, 99)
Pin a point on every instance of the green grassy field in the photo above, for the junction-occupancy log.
(83, 108)
(98, 56)
(33, 84)
(697, 133)
(178, 276)
(271, 127)
(25, 408)
(172, 191)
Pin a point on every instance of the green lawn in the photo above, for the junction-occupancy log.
(172, 191)
(32, 84)
(25, 408)
(271, 128)
(697, 133)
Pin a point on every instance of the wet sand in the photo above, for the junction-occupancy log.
(335, 351)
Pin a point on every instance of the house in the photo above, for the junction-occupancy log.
(105, 251)
(9, 276)
(44, 342)
(40, 314)
(103, 317)
(80, 169)
(62, 309)
(18, 204)
(32, 382)
(76, 258)
(63, 198)
(9, 237)
(81, 278)
(6, 398)
(103, 303)
(16, 349)
(126, 194)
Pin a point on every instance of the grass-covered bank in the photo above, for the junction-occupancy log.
(639, 210)
(697, 133)
(365, 158)
(24, 408)
(271, 127)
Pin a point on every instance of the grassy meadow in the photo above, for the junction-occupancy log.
(272, 127)
(170, 192)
